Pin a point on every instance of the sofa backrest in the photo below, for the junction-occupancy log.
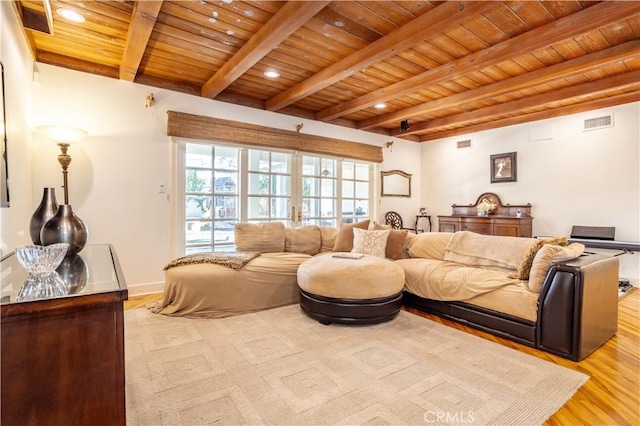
(428, 245)
(303, 239)
(268, 237)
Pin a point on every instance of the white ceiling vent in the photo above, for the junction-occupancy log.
(598, 122)
(464, 144)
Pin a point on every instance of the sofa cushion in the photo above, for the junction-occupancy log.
(328, 239)
(428, 245)
(396, 243)
(373, 243)
(547, 256)
(344, 239)
(263, 237)
(304, 239)
(527, 259)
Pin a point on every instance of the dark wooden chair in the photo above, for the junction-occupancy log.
(393, 219)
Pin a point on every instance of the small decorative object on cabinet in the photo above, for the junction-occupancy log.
(501, 220)
(65, 227)
(46, 210)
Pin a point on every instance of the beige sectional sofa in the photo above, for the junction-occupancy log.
(537, 292)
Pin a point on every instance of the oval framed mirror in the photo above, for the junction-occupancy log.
(395, 183)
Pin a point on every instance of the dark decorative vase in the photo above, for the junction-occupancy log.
(45, 211)
(65, 227)
(75, 272)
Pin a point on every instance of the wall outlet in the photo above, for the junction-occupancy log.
(162, 188)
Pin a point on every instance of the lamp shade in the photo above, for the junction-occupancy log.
(62, 134)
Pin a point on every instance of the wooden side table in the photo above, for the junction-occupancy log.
(418, 217)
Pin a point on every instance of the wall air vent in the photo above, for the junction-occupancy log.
(464, 144)
(598, 122)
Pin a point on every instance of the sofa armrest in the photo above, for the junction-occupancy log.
(578, 306)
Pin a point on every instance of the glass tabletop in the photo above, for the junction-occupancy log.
(93, 270)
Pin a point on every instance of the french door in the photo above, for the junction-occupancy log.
(221, 185)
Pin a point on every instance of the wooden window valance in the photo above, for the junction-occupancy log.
(193, 126)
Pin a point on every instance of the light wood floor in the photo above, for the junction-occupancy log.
(612, 394)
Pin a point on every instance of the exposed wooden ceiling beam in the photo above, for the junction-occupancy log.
(432, 22)
(143, 19)
(624, 98)
(586, 89)
(554, 32)
(285, 22)
(76, 64)
(544, 75)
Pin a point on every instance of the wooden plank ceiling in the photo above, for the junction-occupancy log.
(448, 68)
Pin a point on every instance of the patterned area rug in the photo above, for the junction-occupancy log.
(279, 367)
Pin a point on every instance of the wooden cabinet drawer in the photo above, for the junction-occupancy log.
(479, 226)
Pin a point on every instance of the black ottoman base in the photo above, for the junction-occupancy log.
(350, 311)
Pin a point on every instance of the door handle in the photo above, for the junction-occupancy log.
(299, 214)
(293, 214)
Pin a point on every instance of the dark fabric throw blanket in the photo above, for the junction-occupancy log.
(233, 260)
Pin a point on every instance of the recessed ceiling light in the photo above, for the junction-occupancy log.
(227, 1)
(381, 105)
(230, 32)
(271, 74)
(70, 15)
(213, 20)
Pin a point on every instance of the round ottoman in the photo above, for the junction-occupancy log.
(350, 291)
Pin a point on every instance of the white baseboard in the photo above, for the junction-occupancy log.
(145, 288)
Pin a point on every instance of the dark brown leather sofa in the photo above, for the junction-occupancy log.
(577, 309)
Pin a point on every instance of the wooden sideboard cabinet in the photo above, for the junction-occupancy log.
(504, 220)
(63, 357)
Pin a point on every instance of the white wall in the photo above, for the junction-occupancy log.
(115, 172)
(18, 65)
(574, 178)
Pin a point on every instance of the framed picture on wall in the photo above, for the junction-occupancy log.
(504, 167)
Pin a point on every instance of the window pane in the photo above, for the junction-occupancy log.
(310, 208)
(226, 208)
(347, 207)
(198, 180)
(362, 208)
(258, 184)
(362, 189)
(328, 187)
(310, 187)
(347, 189)
(280, 207)
(347, 170)
(197, 207)
(258, 161)
(280, 185)
(258, 207)
(328, 168)
(226, 182)
(310, 166)
(280, 162)
(223, 232)
(362, 171)
(226, 158)
(328, 207)
(198, 155)
(198, 232)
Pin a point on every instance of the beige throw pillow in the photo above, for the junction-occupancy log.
(304, 239)
(428, 245)
(263, 237)
(344, 239)
(396, 243)
(373, 243)
(527, 259)
(329, 235)
(547, 256)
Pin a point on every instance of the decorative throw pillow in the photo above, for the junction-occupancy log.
(303, 239)
(373, 243)
(548, 255)
(328, 239)
(344, 239)
(396, 243)
(428, 245)
(527, 259)
(262, 237)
